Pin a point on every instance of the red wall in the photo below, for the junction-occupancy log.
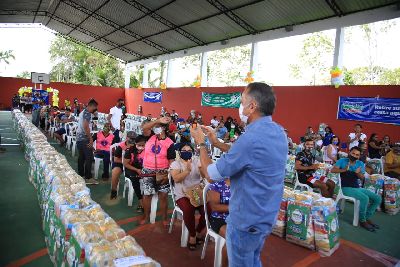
(297, 106)
(105, 96)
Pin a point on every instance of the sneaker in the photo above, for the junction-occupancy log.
(113, 194)
(91, 181)
(367, 226)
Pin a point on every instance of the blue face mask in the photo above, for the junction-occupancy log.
(186, 155)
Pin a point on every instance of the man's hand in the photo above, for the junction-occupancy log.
(358, 170)
(164, 120)
(210, 134)
(197, 135)
(139, 171)
(315, 166)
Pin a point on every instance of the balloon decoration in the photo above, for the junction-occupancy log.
(55, 98)
(23, 90)
(163, 86)
(336, 77)
(249, 78)
(197, 82)
(140, 87)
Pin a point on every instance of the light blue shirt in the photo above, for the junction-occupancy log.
(222, 132)
(343, 162)
(256, 166)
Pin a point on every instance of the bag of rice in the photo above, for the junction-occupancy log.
(290, 171)
(299, 228)
(279, 228)
(374, 183)
(326, 226)
(391, 197)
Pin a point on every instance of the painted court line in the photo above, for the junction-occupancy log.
(29, 258)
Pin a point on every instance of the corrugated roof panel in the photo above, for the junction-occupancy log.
(23, 5)
(120, 12)
(122, 55)
(70, 14)
(147, 26)
(81, 36)
(102, 46)
(58, 27)
(355, 5)
(143, 48)
(172, 40)
(184, 11)
(120, 38)
(153, 4)
(215, 28)
(234, 3)
(16, 19)
(92, 4)
(96, 26)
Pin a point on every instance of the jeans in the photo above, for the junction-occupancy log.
(84, 159)
(116, 136)
(369, 201)
(244, 247)
(105, 155)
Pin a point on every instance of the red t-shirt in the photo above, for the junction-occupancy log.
(172, 128)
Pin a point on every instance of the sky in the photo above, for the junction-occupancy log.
(31, 42)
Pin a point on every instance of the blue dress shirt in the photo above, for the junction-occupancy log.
(256, 166)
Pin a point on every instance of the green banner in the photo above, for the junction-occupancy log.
(231, 100)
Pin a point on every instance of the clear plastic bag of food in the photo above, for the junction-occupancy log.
(128, 246)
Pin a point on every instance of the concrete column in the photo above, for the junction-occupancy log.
(203, 69)
(145, 83)
(339, 43)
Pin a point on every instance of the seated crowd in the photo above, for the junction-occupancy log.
(165, 147)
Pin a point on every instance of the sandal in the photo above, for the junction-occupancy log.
(191, 246)
(199, 240)
(139, 209)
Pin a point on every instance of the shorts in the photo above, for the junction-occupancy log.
(150, 187)
(216, 223)
(61, 131)
(117, 165)
(309, 179)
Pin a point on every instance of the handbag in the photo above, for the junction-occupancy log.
(194, 193)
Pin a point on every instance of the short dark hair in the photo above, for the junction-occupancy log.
(357, 124)
(308, 140)
(120, 99)
(92, 102)
(183, 144)
(334, 136)
(140, 138)
(67, 109)
(264, 95)
(355, 148)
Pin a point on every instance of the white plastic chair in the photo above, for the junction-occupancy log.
(219, 240)
(73, 145)
(153, 211)
(177, 213)
(341, 197)
(128, 186)
(70, 128)
(302, 186)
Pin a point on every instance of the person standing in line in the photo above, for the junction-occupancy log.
(114, 117)
(84, 142)
(256, 169)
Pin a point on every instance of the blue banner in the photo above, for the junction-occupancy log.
(153, 97)
(38, 96)
(382, 110)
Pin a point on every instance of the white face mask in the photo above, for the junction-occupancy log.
(243, 117)
(157, 130)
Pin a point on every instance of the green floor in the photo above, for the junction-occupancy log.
(20, 214)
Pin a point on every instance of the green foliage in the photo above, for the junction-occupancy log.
(390, 77)
(6, 56)
(24, 75)
(75, 63)
(312, 66)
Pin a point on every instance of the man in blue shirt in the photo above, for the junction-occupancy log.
(222, 131)
(256, 167)
(351, 169)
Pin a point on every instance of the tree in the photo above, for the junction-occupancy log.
(390, 77)
(6, 56)
(76, 63)
(313, 67)
(24, 75)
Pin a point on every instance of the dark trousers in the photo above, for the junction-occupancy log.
(393, 174)
(84, 159)
(116, 136)
(105, 155)
(136, 186)
(188, 216)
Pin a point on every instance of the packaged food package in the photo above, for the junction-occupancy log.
(391, 196)
(87, 232)
(299, 228)
(279, 228)
(374, 183)
(137, 261)
(290, 171)
(101, 254)
(326, 226)
(71, 215)
(375, 165)
(79, 187)
(83, 198)
(111, 230)
(96, 213)
(128, 246)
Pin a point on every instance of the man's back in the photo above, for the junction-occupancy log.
(256, 165)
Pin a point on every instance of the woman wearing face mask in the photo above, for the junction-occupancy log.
(133, 163)
(159, 152)
(104, 139)
(186, 174)
(331, 151)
